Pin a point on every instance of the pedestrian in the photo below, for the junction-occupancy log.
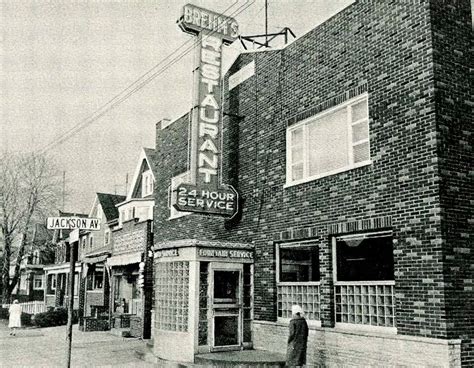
(14, 320)
(297, 339)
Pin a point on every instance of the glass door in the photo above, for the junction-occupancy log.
(226, 301)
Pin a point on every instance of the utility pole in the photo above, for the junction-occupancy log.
(126, 184)
(266, 23)
(72, 268)
(64, 187)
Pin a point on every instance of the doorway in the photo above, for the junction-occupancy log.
(226, 306)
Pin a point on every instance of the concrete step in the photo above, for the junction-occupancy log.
(120, 332)
(241, 359)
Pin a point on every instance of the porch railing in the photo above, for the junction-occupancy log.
(33, 307)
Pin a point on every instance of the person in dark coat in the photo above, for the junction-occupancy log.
(298, 338)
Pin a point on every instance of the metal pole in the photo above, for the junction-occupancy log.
(72, 266)
(266, 23)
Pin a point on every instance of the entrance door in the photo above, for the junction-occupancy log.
(226, 301)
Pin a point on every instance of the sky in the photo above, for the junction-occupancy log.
(63, 60)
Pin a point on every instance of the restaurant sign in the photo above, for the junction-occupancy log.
(213, 31)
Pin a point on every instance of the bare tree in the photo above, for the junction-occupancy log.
(29, 186)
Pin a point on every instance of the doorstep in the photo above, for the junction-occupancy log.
(120, 332)
(244, 358)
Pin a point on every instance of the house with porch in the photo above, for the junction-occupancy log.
(39, 253)
(131, 263)
(56, 274)
(96, 247)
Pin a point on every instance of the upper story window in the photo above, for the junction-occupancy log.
(91, 242)
(107, 237)
(147, 183)
(177, 180)
(333, 141)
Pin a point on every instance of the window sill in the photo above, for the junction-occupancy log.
(350, 283)
(359, 328)
(330, 173)
(298, 283)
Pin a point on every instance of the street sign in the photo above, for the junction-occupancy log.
(82, 223)
(223, 201)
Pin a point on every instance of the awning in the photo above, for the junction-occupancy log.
(95, 259)
(125, 259)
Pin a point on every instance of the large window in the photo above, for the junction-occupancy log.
(365, 258)
(299, 264)
(330, 142)
(298, 279)
(364, 281)
(177, 180)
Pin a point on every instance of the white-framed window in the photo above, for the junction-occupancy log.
(98, 279)
(36, 257)
(364, 281)
(298, 279)
(330, 142)
(177, 180)
(38, 282)
(147, 183)
(52, 281)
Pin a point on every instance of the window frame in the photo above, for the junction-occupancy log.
(300, 244)
(350, 143)
(375, 234)
(38, 278)
(147, 183)
(297, 244)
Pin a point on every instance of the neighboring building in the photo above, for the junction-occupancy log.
(57, 273)
(131, 263)
(40, 252)
(351, 151)
(96, 247)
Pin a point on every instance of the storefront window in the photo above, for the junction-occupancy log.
(364, 259)
(298, 279)
(364, 281)
(299, 264)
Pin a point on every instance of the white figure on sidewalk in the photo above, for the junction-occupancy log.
(15, 317)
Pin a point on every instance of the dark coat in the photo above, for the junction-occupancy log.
(297, 340)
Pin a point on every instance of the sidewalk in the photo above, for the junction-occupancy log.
(46, 347)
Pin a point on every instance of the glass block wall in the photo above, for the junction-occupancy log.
(365, 304)
(307, 296)
(172, 295)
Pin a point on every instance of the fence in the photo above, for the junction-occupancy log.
(33, 307)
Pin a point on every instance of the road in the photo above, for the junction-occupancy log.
(46, 347)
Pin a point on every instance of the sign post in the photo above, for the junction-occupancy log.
(205, 193)
(75, 224)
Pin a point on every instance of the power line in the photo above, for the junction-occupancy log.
(135, 86)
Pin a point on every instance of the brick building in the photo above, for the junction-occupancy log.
(350, 149)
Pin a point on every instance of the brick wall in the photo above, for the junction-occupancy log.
(389, 50)
(452, 57)
(131, 237)
(330, 348)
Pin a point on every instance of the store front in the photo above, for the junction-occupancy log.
(203, 295)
